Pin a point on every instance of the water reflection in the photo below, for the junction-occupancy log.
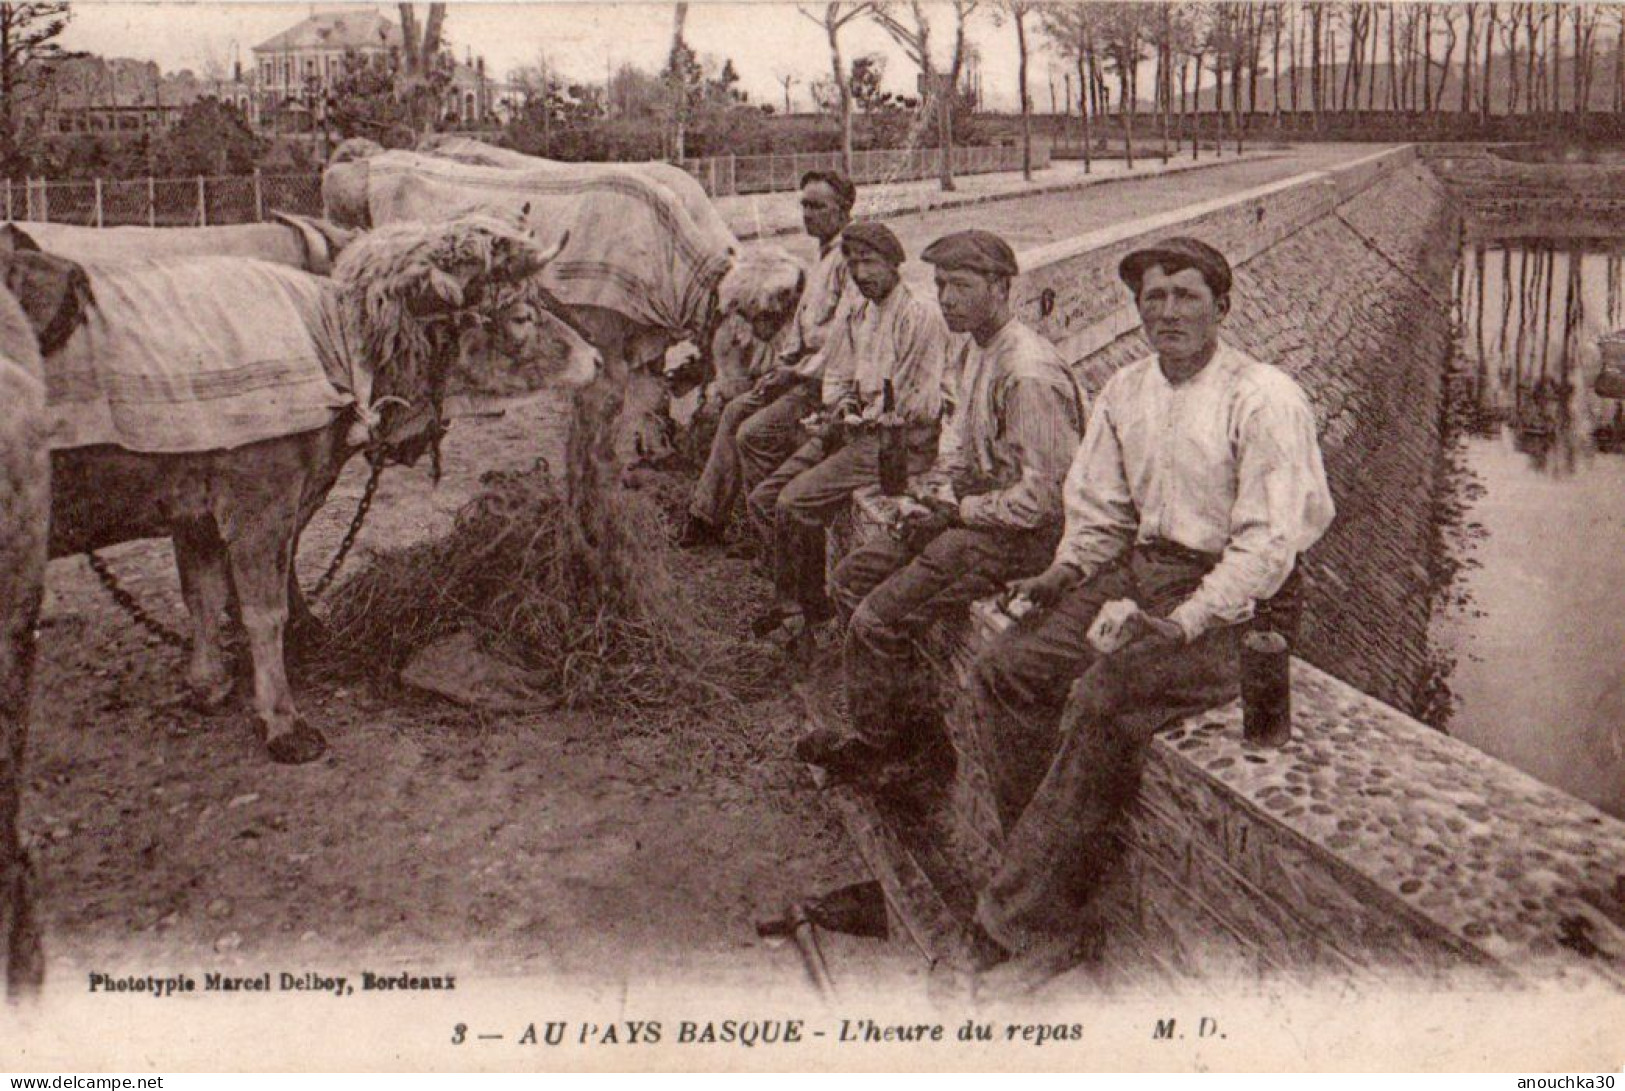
(1531, 314)
(1539, 617)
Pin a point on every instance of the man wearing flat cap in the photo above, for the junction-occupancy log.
(988, 511)
(885, 336)
(1198, 485)
(760, 428)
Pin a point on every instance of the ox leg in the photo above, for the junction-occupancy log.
(261, 558)
(200, 557)
(306, 632)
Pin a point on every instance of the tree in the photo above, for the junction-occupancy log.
(684, 83)
(1123, 43)
(788, 80)
(837, 14)
(424, 71)
(28, 34)
(1070, 29)
(211, 137)
(914, 38)
(1018, 10)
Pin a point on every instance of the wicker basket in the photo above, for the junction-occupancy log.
(1611, 379)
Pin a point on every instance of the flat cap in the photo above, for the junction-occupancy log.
(1174, 254)
(874, 236)
(982, 251)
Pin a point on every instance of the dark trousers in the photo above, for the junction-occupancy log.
(805, 494)
(754, 435)
(1062, 732)
(894, 594)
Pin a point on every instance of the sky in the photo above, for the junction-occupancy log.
(767, 39)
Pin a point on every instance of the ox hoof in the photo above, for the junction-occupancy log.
(300, 744)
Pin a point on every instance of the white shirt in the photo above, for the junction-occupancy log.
(820, 299)
(1225, 462)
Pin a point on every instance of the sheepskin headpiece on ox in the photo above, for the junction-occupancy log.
(764, 282)
(407, 277)
(409, 288)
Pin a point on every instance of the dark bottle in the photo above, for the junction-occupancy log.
(893, 447)
(1266, 689)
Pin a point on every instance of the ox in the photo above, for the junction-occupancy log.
(24, 511)
(406, 304)
(641, 274)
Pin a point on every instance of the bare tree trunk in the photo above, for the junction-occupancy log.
(1084, 110)
(1020, 16)
(1275, 63)
(1444, 68)
(1427, 59)
(837, 68)
(1467, 61)
(1489, 60)
(1619, 63)
(1292, 59)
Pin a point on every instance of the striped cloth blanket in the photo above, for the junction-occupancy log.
(634, 248)
(198, 354)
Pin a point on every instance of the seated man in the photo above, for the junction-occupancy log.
(762, 427)
(1198, 485)
(992, 508)
(885, 336)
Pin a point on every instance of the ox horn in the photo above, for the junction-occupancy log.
(554, 251)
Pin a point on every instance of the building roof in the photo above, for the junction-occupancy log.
(354, 29)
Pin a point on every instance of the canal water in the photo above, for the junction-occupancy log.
(1536, 621)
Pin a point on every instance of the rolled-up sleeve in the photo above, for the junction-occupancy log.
(1282, 508)
(1040, 428)
(1101, 518)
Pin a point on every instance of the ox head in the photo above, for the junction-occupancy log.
(431, 298)
(54, 292)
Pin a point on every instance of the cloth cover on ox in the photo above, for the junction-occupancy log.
(200, 354)
(634, 248)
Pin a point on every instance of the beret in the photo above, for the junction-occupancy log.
(981, 251)
(1178, 252)
(877, 237)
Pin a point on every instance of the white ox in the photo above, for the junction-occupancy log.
(642, 272)
(214, 401)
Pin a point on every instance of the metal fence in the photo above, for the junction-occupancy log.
(164, 202)
(727, 175)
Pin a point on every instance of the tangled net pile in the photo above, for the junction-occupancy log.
(578, 591)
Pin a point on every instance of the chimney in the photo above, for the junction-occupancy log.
(237, 71)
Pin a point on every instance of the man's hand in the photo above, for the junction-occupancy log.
(920, 521)
(1154, 631)
(1040, 590)
(775, 381)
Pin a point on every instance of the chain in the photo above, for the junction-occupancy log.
(168, 636)
(131, 606)
(376, 458)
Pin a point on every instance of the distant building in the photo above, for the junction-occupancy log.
(285, 88)
(89, 94)
(295, 71)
